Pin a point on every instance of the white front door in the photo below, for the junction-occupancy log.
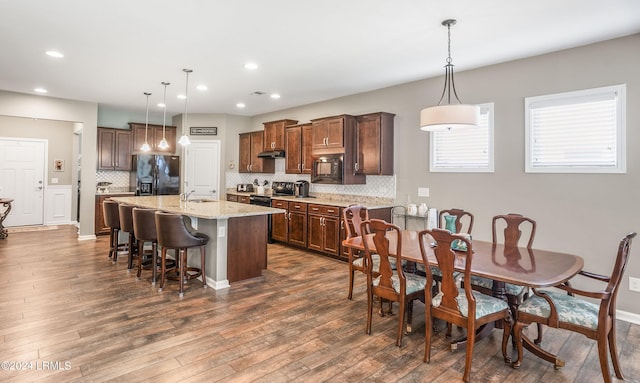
(22, 178)
(203, 169)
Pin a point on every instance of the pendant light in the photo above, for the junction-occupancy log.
(184, 139)
(447, 116)
(145, 147)
(163, 143)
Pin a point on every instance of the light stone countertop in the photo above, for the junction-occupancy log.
(207, 209)
(330, 200)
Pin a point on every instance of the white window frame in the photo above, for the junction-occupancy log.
(485, 109)
(614, 92)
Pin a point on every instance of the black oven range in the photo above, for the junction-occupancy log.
(280, 188)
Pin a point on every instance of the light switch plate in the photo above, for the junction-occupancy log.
(423, 192)
(634, 284)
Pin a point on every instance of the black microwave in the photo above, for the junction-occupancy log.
(327, 169)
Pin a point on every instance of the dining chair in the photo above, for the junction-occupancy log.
(595, 320)
(353, 216)
(514, 225)
(461, 306)
(389, 284)
(461, 219)
(126, 224)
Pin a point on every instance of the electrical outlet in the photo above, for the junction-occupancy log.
(634, 284)
(423, 192)
(222, 231)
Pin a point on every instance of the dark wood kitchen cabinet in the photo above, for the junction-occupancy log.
(324, 228)
(330, 132)
(154, 136)
(374, 144)
(99, 226)
(114, 149)
(274, 134)
(298, 149)
(291, 226)
(251, 144)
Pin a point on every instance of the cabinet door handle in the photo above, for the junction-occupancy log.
(330, 210)
(356, 167)
(299, 167)
(289, 216)
(302, 167)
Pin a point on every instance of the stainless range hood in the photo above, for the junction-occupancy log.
(272, 154)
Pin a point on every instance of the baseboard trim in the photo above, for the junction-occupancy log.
(218, 285)
(628, 317)
(87, 237)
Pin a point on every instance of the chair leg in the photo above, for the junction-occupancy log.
(351, 276)
(471, 339)
(603, 355)
(613, 350)
(403, 309)
(140, 251)
(154, 261)
(428, 324)
(369, 311)
(505, 339)
(409, 316)
(163, 267)
(538, 339)
(202, 270)
(182, 253)
(517, 333)
(131, 246)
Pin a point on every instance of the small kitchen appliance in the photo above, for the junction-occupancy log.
(244, 187)
(301, 189)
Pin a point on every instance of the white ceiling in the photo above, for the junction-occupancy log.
(307, 50)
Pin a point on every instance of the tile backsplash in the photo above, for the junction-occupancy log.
(117, 179)
(376, 186)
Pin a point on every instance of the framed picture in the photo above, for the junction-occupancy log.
(203, 131)
(58, 165)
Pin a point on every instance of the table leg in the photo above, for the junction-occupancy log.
(3, 232)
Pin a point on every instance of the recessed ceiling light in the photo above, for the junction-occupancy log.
(275, 96)
(161, 105)
(251, 66)
(55, 54)
(40, 90)
(182, 96)
(202, 87)
(240, 105)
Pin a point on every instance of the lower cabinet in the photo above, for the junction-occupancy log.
(382, 213)
(324, 229)
(238, 198)
(291, 226)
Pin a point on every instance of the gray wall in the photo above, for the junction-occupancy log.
(584, 214)
(59, 135)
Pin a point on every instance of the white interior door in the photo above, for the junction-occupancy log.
(22, 178)
(203, 169)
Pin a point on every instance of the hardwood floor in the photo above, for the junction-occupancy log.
(64, 301)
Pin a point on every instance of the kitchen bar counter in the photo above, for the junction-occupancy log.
(237, 248)
(321, 200)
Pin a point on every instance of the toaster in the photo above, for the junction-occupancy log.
(244, 187)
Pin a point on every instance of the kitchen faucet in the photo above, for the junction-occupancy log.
(185, 196)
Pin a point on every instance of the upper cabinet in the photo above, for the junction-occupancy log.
(374, 144)
(153, 136)
(274, 132)
(114, 149)
(251, 144)
(331, 133)
(298, 149)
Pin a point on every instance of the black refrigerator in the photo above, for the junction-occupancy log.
(155, 174)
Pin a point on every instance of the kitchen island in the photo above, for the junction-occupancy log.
(237, 248)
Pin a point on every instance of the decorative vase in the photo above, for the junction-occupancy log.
(422, 209)
(412, 209)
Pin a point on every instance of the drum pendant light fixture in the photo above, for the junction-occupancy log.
(163, 143)
(184, 139)
(145, 147)
(445, 115)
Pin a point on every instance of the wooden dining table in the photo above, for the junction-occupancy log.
(533, 268)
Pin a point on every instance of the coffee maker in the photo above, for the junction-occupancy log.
(301, 189)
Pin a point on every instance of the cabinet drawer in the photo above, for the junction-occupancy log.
(297, 206)
(232, 198)
(243, 199)
(324, 209)
(279, 204)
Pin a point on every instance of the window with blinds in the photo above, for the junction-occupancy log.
(464, 150)
(576, 132)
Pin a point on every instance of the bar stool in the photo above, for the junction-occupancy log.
(175, 232)
(126, 225)
(144, 229)
(112, 221)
